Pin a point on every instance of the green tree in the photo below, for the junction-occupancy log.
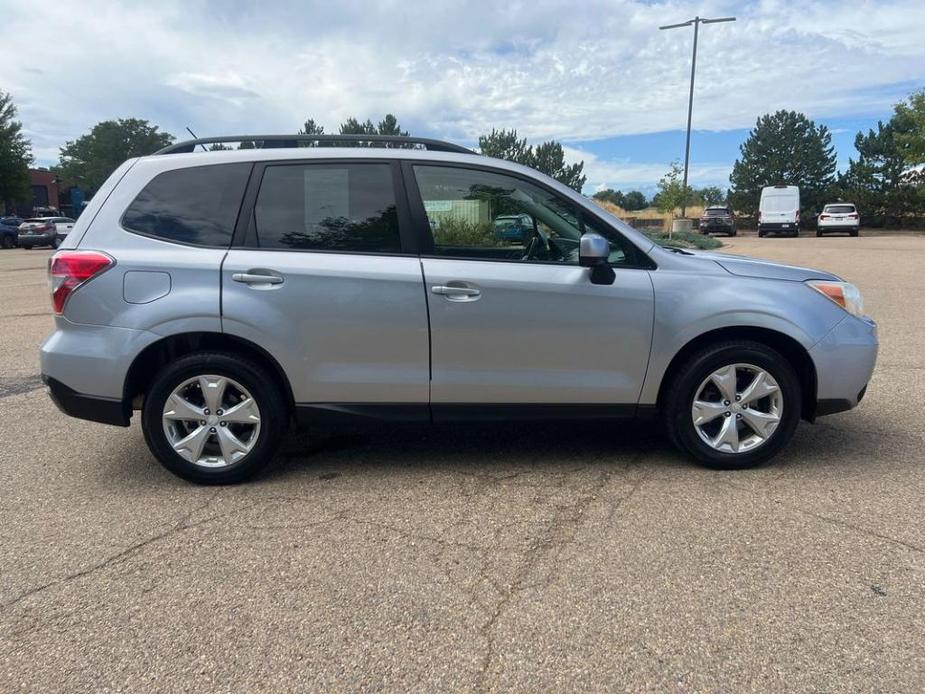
(504, 144)
(784, 148)
(672, 193)
(354, 127)
(634, 200)
(91, 158)
(909, 127)
(711, 195)
(548, 157)
(614, 197)
(879, 180)
(15, 154)
(389, 126)
(311, 128)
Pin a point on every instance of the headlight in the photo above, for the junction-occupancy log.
(844, 294)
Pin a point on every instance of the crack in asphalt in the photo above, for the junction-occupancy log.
(559, 532)
(828, 519)
(180, 526)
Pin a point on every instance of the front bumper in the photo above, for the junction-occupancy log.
(844, 361)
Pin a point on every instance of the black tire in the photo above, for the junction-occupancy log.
(274, 415)
(7, 242)
(761, 234)
(681, 394)
(56, 242)
(855, 232)
(818, 234)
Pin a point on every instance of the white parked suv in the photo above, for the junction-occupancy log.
(840, 217)
(229, 294)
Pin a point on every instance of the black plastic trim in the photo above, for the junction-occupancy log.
(828, 406)
(94, 408)
(353, 413)
(288, 141)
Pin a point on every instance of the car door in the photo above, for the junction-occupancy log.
(520, 322)
(321, 277)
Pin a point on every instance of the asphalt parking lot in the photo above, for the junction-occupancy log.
(529, 557)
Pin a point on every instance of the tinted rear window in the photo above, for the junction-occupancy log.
(198, 205)
(716, 211)
(346, 207)
(839, 209)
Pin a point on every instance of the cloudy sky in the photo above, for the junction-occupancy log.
(598, 76)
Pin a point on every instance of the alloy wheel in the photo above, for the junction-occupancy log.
(211, 420)
(737, 408)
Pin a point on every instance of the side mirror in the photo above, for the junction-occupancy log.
(594, 252)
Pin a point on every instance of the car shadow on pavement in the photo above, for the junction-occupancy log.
(486, 446)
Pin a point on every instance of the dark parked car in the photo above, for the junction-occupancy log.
(9, 231)
(513, 227)
(718, 219)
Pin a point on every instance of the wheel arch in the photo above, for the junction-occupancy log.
(153, 357)
(787, 346)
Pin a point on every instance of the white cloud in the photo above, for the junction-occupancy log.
(569, 71)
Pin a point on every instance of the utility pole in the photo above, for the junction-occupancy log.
(696, 22)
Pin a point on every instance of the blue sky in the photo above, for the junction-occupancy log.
(597, 75)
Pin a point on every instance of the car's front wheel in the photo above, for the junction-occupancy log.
(214, 417)
(733, 405)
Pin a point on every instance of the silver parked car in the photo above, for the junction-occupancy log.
(44, 231)
(229, 294)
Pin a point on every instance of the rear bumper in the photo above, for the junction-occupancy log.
(29, 240)
(723, 228)
(844, 361)
(837, 227)
(779, 226)
(94, 408)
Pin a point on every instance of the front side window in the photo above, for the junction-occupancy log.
(327, 207)
(197, 205)
(493, 216)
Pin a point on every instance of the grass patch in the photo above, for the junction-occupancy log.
(683, 239)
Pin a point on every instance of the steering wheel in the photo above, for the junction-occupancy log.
(537, 242)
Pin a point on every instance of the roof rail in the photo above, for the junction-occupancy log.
(277, 141)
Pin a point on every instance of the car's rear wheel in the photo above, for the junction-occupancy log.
(7, 242)
(854, 232)
(55, 242)
(733, 405)
(214, 417)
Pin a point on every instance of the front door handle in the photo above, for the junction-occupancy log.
(256, 278)
(457, 292)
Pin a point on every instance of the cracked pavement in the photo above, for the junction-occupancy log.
(506, 557)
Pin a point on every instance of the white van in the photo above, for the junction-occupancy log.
(779, 210)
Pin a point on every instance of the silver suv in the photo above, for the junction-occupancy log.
(228, 294)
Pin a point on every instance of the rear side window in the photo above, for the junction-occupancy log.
(347, 207)
(198, 205)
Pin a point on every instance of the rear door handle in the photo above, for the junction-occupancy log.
(256, 278)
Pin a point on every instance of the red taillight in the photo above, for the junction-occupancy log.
(823, 216)
(853, 216)
(67, 270)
